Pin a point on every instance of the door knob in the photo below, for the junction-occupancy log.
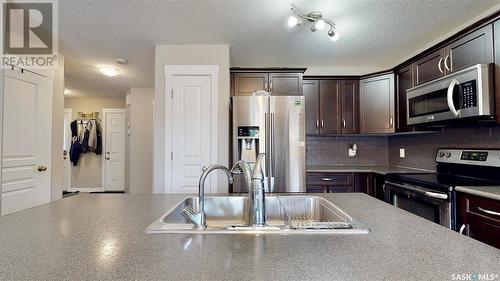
(42, 168)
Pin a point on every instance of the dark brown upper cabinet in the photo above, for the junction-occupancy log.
(404, 81)
(311, 94)
(377, 104)
(247, 83)
(473, 48)
(278, 84)
(430, 67)
(285, 84)
(331, 106)
(496, 37)
(349, 96)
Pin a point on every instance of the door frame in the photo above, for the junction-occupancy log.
(2, 76)
(67, 110)
(190, 70)
(103, 137)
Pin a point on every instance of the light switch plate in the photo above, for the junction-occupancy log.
(402, 153)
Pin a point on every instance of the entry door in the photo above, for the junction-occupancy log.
(66, 182)
(191, 132)
(27, 127)
(114, 152)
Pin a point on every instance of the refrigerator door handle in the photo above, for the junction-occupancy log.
(272, 156)
(267, 161)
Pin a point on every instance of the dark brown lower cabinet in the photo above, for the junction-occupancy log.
(338, 182)
(479, 218)
(330, 182)
(378, 182)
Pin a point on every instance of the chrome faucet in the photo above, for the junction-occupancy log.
(199, 219)
(255, 184)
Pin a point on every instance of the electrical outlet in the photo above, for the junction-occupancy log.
(402, 153)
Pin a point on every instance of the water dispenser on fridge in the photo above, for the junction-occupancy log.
(248, 143)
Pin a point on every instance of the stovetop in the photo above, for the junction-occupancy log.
(441, 182)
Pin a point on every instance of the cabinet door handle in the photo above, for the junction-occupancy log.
(462, 228)
(271, 87)
(343, 122)
(391, 122)
(317, 124)
(265, 87)
(493, 213)
(326, 179)
(446, 63)
(439, 65)
(322, 123)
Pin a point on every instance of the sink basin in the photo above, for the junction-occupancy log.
(286, 214)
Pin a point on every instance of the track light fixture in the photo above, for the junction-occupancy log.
(316, 18)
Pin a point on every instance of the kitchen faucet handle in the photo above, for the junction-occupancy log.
(257, 170)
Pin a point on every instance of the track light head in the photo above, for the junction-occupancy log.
(319, 24)
(314, 17)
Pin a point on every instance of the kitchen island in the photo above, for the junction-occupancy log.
(101, 237)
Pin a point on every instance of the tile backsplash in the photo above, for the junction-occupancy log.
(421, 149)
(322, 150)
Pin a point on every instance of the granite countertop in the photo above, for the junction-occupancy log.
(101, 237)
(363, 169)
(492, 192)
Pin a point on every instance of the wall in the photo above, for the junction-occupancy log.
(57, 131)
(421, 149)
(197, 55)
(140, 140)
(89, 170)
(334, 150)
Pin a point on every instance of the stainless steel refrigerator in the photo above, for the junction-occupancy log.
(274, 125)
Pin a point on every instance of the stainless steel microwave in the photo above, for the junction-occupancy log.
(465, 93)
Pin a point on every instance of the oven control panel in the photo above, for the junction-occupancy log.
(474, 155)
(480, 157)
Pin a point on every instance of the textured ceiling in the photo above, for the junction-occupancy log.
(374, 35)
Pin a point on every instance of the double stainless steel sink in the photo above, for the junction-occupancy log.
(286, 214)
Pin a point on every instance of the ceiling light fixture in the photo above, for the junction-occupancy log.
(316, 18)
(108, 70)
(293, 21)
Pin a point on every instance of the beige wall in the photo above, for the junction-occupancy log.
(196, 55)
(89, 170)
(57, 131)
(140, 140)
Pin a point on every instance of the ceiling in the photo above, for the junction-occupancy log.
(374, 35)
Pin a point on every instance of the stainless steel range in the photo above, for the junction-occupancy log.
(432, 195)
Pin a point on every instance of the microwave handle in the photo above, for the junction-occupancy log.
(451, 106)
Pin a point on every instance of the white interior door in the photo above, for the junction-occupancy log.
(114, 151)
(190, 132)
(66, 181)
(27, 131)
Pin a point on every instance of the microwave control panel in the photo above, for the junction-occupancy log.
(469, 94)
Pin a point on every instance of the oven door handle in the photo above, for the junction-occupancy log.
(420, 191)
(449, 97)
